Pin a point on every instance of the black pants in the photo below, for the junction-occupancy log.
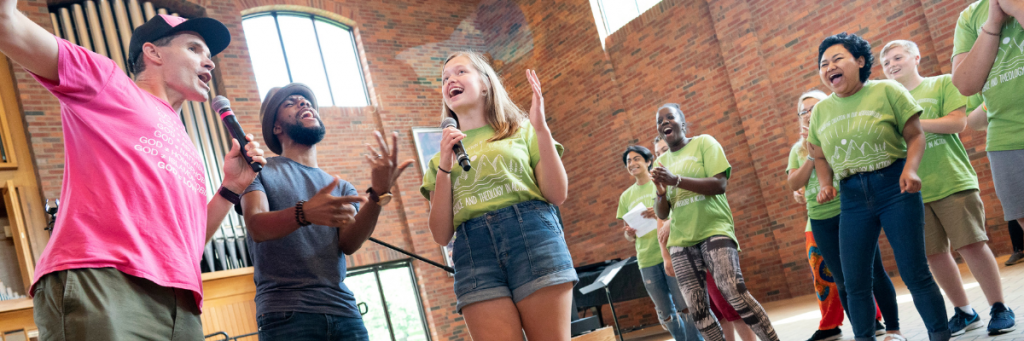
(1016, 235)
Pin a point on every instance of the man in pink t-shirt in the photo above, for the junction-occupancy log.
(123, 261)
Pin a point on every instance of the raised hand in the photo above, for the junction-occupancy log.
(537, 117)
(1012, 8)
(449, 137)
(662, 176)
(237, 172)
(328, 210)
(996, 16)
(384, 167)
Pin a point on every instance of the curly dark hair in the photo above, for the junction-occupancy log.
(639, 150)
(857, 46)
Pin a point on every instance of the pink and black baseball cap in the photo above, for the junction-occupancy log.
(213, 32)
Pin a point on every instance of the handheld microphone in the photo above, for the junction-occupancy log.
(222, 106)
(460, 152)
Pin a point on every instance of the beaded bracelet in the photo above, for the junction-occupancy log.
(300, 217)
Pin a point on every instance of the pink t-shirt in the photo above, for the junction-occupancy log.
(134, 190)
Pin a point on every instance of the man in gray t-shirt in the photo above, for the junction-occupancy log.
(302, 222)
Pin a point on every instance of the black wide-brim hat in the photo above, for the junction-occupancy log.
(215, 34)
(268, 110)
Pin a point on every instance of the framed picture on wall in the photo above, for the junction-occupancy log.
(428, 143)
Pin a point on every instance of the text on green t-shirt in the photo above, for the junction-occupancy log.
(1002, 91)
(696, 217)
(501, 175)
(945, 168)
(863, 132)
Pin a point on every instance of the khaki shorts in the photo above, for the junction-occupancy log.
(106, 304)
(957, 220)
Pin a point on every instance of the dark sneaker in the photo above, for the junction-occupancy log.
(827, 335)
(1015, 258)
(963, 322)
(1001, 320)
(879, 328)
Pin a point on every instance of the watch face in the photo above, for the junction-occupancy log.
(384, 199)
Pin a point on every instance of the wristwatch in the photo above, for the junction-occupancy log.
(232, 197)
(381, 199)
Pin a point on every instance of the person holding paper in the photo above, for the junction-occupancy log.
(663, 289)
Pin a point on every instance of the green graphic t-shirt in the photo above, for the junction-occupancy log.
(696, 217)
(648, 252)
(815, 210)
(973, 102)
(863, 132)
(502, 173)
(1003, 90)
(945, 168)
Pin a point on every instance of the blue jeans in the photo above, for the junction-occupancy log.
(826, 235)
(510, 252)
(669, 303)
(296, 326)
(870, 202)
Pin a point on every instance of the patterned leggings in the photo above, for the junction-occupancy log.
(719, 255)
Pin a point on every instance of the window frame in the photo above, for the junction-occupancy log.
(314, 18)
(375, 269)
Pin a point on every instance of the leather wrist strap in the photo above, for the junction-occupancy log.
(231, 197)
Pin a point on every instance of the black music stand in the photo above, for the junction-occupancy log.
(602, 281)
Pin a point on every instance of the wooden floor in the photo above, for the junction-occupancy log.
(797, 318)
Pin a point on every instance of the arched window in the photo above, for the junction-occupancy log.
(288, 47)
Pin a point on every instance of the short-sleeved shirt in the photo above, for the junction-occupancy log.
(863, 132)
(815, 210)
(501, 175)
(1002, 90)
(696, 217)
(973, 102)
(648, 252)
(134, 191)
(305, 270)
(945, 168)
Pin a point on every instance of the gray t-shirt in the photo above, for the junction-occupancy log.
(305, 270)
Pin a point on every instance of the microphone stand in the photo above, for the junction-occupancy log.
(407, 253)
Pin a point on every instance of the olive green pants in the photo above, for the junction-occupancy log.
(106, 304)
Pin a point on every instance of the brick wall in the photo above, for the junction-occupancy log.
(735, 66)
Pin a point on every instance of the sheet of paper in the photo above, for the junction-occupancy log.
(635, 220)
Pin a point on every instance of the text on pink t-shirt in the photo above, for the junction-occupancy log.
(134, 190)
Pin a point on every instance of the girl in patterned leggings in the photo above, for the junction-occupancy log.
(690, 182)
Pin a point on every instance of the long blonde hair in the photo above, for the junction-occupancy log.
(801, 145)
(503, 115)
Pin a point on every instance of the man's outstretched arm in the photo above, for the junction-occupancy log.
(26, 43)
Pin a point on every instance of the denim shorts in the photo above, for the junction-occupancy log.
(510, 252)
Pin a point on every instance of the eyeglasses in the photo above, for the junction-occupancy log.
(805, 111)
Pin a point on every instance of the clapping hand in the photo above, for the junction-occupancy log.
(384, 165)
